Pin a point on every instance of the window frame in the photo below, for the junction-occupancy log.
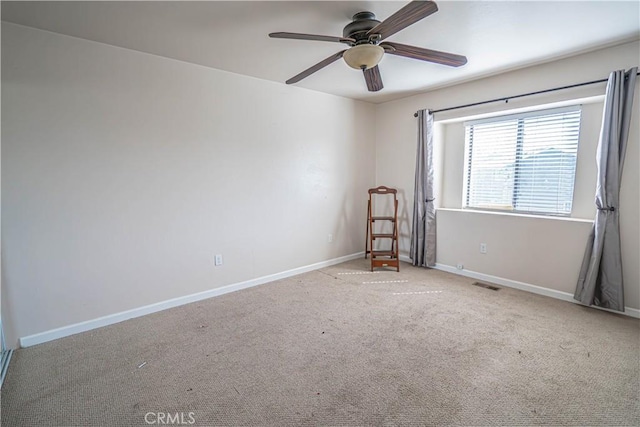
(519, 143)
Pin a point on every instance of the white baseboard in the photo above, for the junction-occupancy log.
(110, 319)
(88, 325)
(564, 296)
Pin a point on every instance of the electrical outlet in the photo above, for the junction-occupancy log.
(218, 260)
(330, 238)
(483, 248)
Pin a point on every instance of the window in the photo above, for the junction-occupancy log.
(523, 163)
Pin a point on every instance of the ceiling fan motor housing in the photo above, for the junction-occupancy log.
(362, 23)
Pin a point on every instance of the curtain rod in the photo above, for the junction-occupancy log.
(507, 98)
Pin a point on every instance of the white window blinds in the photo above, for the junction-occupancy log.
(524, 162)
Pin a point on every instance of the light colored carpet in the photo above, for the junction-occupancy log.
(340, 346)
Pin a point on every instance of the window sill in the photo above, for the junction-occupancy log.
(521, 215)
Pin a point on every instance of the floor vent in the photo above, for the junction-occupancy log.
(486, 286)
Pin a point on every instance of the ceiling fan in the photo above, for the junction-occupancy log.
(365, 35)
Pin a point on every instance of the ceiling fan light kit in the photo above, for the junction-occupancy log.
(363, 56)
(364, 36)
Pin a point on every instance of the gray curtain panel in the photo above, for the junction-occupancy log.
(600, 280)
(423, 230)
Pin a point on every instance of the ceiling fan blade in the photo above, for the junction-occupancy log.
(318, 66)
(300, 36)
(373, 78)
(422, 54)
(410, 14)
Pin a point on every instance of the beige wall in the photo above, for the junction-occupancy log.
(515, 249)
(542, 252)
(124, 173)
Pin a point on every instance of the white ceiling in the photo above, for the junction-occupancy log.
(232, 35)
